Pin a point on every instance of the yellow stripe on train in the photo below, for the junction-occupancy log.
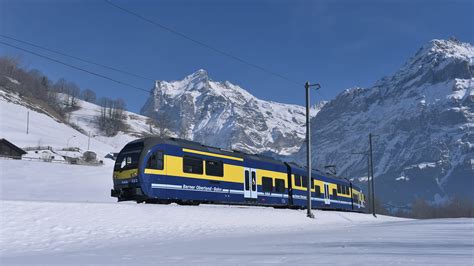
(126, 174)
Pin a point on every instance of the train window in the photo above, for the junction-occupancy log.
(192, 165)
(334, 193)
(267, 184)
(338, 188)
(312, 182)
(254, 181)
(279, 185)
(317, 191)
(247, 182)
(347, 190)
(297, 181)
(304, 182)
(155, 161)
(214, 168)
(127, 160)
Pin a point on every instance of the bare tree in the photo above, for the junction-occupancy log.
(9, 65)
(74, 92)
(111, 118)
(88, 95)
(151, 123)
(164, 125)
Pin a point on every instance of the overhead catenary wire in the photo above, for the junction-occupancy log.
(128, 72)
(77, 58)
(200, 43)
(75, 67)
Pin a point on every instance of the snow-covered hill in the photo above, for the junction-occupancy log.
(46, 130)
(423, 118)
(225, 115)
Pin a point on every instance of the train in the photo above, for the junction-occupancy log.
(172, 170)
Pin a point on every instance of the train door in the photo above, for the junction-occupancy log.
(250, 183)
(327, 201)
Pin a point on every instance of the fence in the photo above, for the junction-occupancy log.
(76, 161)
(38, 148)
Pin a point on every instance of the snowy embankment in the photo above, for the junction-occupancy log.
(44, 181)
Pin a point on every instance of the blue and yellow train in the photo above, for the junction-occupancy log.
(158, 170)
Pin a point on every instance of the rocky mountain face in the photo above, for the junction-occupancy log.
(224, 115)
(424, 124)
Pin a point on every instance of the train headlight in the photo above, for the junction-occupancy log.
(133, 174)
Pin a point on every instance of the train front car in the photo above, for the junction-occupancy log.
(126, 175)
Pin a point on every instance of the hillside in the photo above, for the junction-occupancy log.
(45, 129)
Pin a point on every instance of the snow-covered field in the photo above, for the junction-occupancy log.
(62, 214)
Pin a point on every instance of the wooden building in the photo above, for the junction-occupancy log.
(10, 150)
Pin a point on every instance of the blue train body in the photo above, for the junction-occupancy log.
(157, 170)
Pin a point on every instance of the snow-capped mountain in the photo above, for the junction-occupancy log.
(423, 118)
(225, 115)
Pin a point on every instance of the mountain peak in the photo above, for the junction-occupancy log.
(199, 75)
(436, 61)
(447, 48)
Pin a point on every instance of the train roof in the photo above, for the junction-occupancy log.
(149, 142)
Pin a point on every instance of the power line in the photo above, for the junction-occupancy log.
(75, 67)
(78, 58)
(205, 45)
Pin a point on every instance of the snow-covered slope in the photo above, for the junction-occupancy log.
(84, 117)
(45, 130)
(423, 118)
(225, 115)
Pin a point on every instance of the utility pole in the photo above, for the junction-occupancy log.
(367, 198)
(372, 175)
(27, 122)
(307, 86)
(369, 190)
(89, 141)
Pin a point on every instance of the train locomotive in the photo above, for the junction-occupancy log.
(165, 170)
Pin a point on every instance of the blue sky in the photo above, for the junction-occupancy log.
(340, 44)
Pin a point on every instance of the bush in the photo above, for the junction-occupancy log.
(455, 208)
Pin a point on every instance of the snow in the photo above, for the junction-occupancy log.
(425, 165)
(14, 81)
(45, 181)
(402, 177)
(63, 214)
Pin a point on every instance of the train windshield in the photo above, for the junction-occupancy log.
(128, 158)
